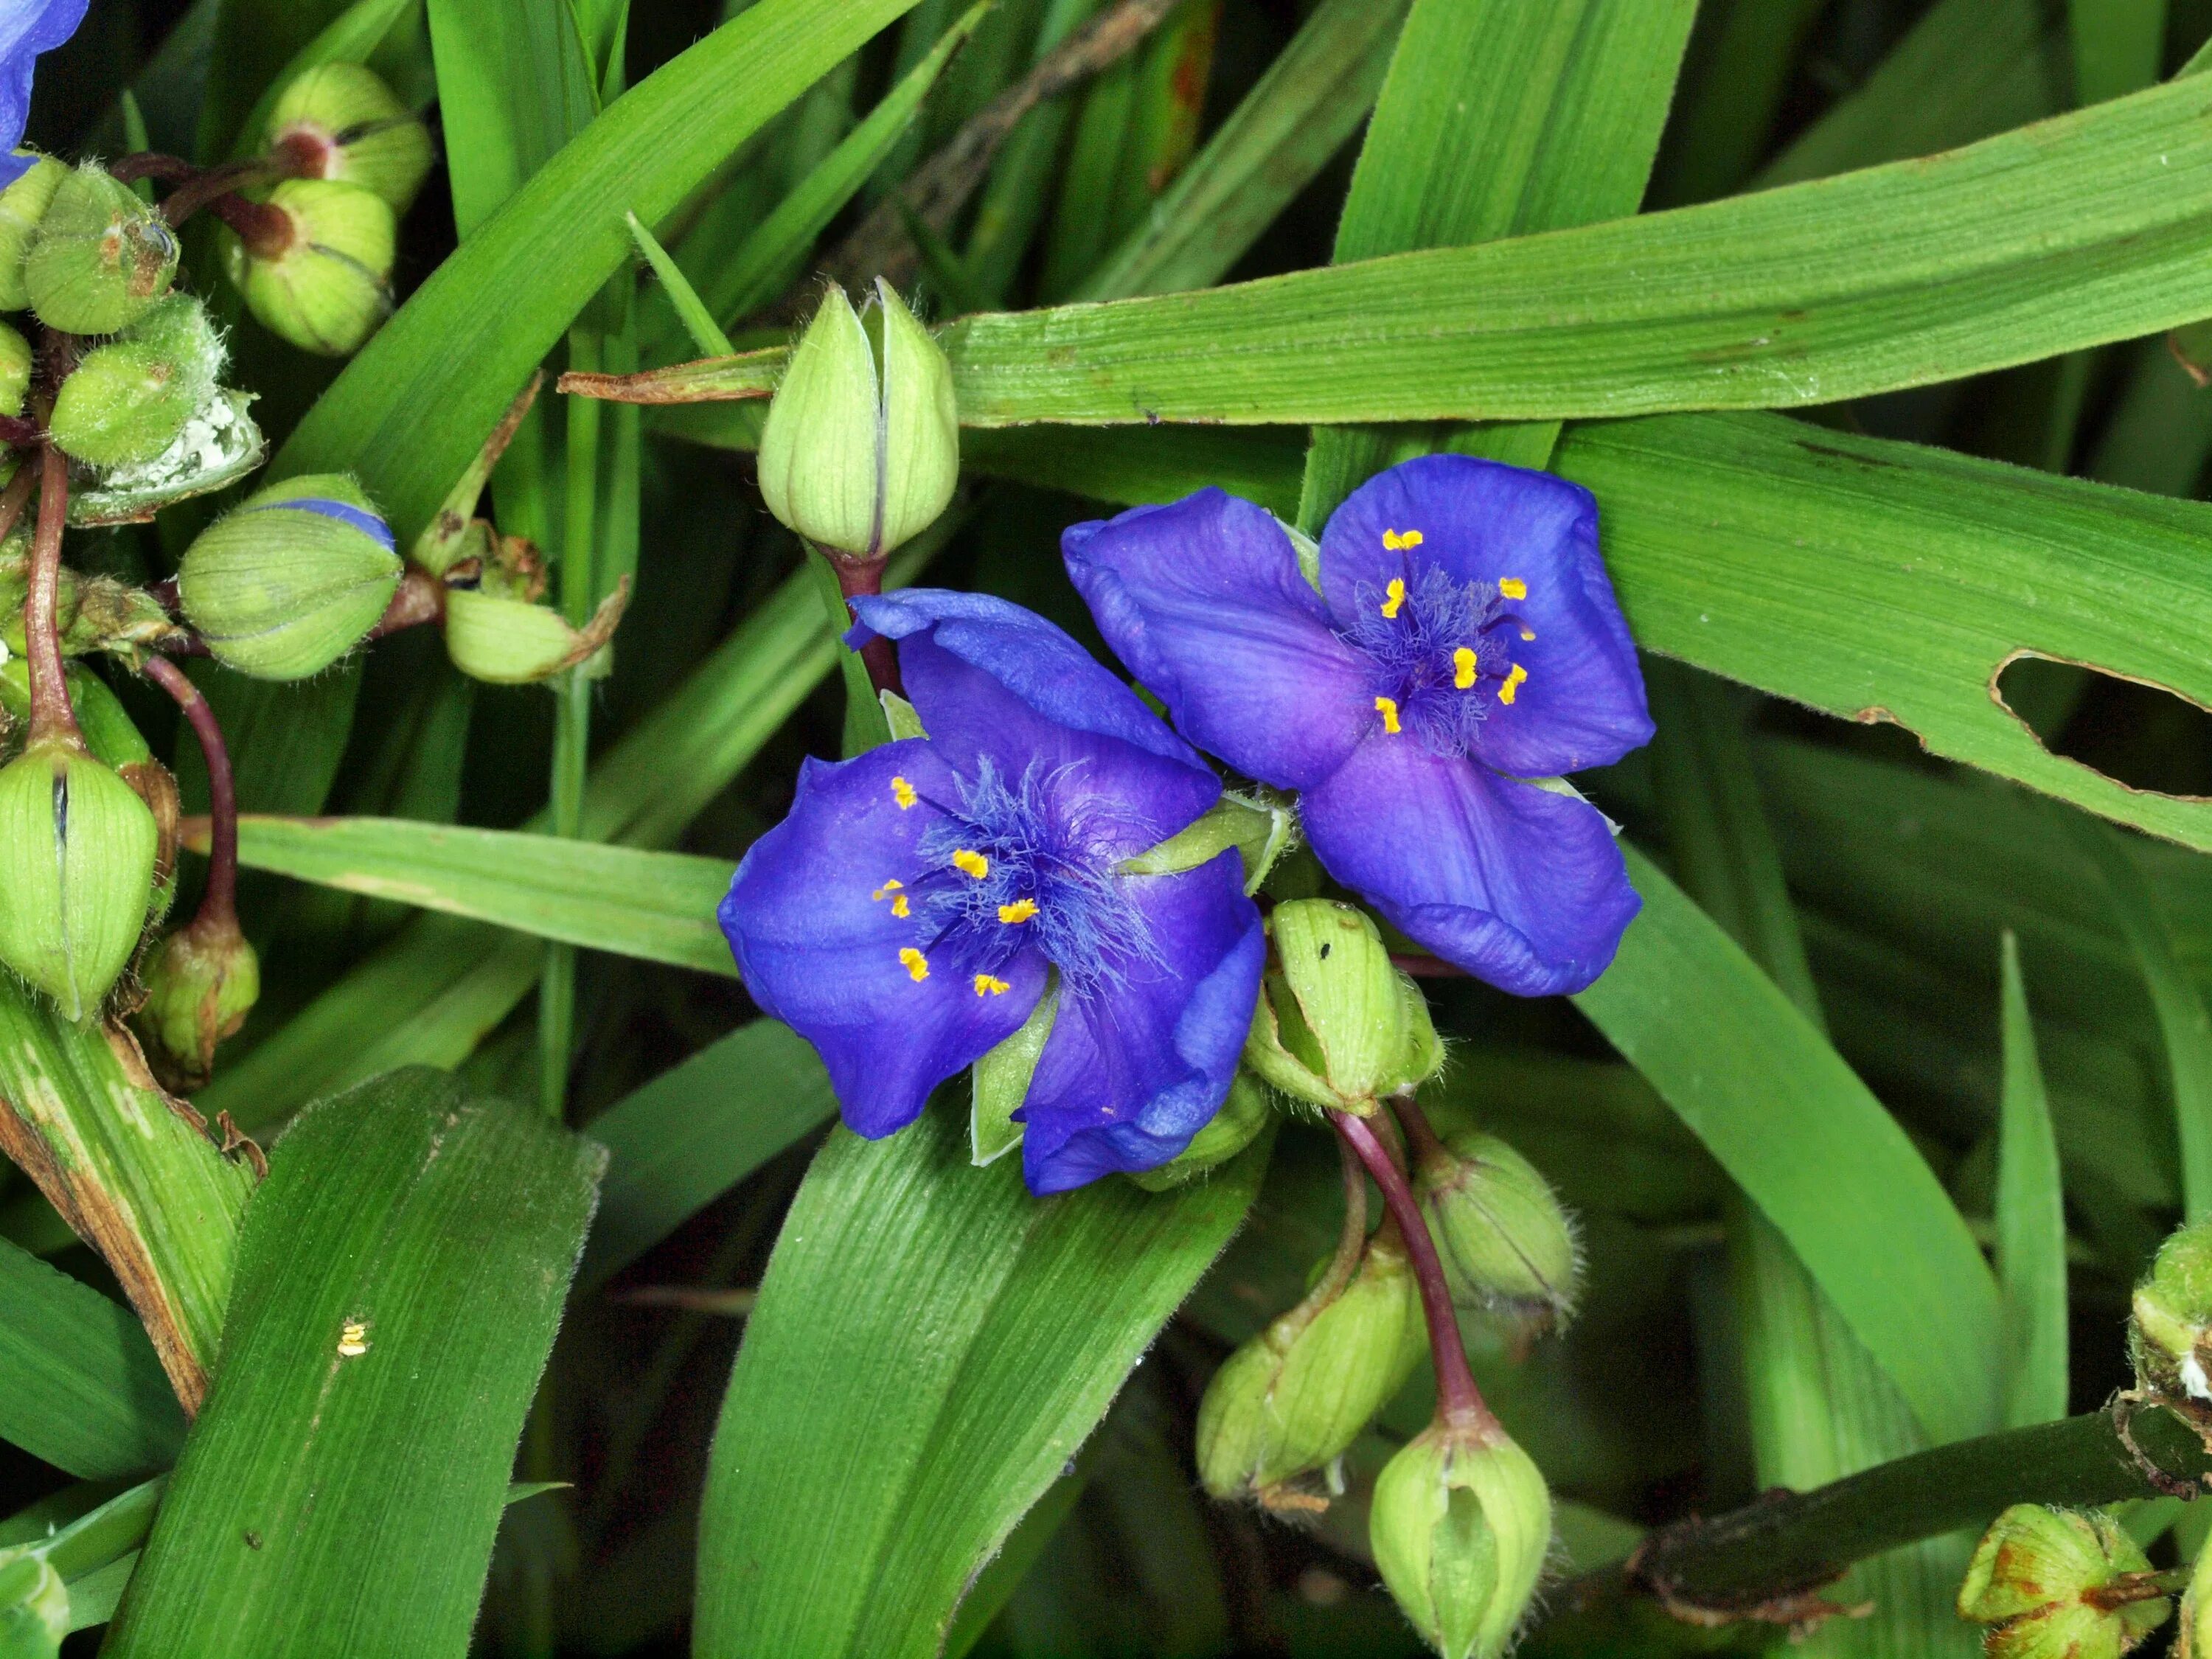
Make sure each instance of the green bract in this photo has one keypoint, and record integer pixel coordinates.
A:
(281, 592)
(1461, 1526)
(76, 874)
(340, 121)
(861, 447)
(319, 277)
(100, 257)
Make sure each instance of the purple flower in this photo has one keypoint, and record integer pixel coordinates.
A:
(907, 915)
(1459, 637)
(27, 27)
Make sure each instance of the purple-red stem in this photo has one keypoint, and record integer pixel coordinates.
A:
(219, 902)
(16, 496)
(1459, 1402)
(863, 579)
(265, 229)
(52, 720)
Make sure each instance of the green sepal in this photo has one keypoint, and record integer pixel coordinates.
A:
(1241, 1118)
(1260, 827)
(1000, 1081)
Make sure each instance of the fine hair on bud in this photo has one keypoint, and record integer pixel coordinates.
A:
(77, 853)
(1461, 1529)
(127, 401)
(101, 256)
(2170, 1319)
(201, 982)
(1508, 1244)
(318, 275)
(341, 121)
(22, 205)
(293, 579)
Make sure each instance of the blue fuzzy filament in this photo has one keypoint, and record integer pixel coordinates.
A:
(1414, 653)
(1041, 844)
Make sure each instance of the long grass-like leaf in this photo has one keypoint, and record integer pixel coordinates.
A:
(2031, 1215)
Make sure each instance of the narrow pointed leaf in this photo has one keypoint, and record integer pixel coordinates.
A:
(79, 1385)
(2030, 1216)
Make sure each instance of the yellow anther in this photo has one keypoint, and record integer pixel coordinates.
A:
(1513, 587)
(901, 908)
(1463, 665)
(973, 864)
(1394, 597)
(1019, 910)
(1398, 540)
(903, 792)
(887, 889)
(1527, 632)
(915, 963)
(986, 985)
(1514, 681)
(1388, 709)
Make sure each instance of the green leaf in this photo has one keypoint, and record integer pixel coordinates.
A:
(411, 410)
(130, 1174)
(2030, 1216)
(400, 1278)
(352, 37)
(1806, 1141)
(692, 1133)
(1302, 110)
(79, 1385)
(656, 906)
(1499, 119)
(697, 320)
(254, 39)
(2118, 45)
(930, 1347)
(514, 85)
(2183, 1020)
(2087, 228)
(1732, 98)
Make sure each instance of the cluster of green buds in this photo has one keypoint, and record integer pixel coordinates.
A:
(2053, 1583)
(312, 253)
(861, 447)
(1337, 1025)
(2170, 1321)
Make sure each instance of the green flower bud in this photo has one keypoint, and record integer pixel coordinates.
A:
(1461, 1525)
(14, 366)
(1295, 1396)
(2170, 1333)
(201, 982)
(125, 403)
(855, 461)
(317, 274)
(1505, 1239)
(1338, 1025)
(2060, 1584)
(291, 581)
(509, 641)
(34, 1606)
(100, 257)
(77, 848)
(1244, 1114)
(22, 205)
(340, 121)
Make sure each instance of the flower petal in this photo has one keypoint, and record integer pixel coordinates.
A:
(991, 680)
(1581, 703)
(820, 950)
(1519, 886)
(27, 27)
(1131, 1073)
(1204, 602)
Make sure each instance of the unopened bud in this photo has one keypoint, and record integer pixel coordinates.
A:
(100, 257)
(1295, 1396)
(1461, 1526)
(319, 275)
(34, 1606)
(291, 581)
(2055, 1583)
(1243, 1114)
(861, 447)
(2170, 1329)
(22, 205)
(1338, 1025)
(509, 641)
(123, 403)
(15, 370)
(341, 121)
(201, 982)
(76, 873)
(1506, 1240)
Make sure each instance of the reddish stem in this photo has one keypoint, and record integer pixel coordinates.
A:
(266, 230)
(152, 164)
(219, 903)
(1417, 1128)
(52, 720)
(863, 579)
(214, 187)
(16, 496)
(1459, 1402)
(1427, 967)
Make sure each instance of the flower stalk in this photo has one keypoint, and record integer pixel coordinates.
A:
(52, 720)
(219, 900)
(863, 579)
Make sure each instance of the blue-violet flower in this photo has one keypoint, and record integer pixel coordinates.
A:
(27, 27)
(1458, 639)
(907, 917)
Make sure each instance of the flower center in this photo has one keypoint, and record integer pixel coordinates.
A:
(1009, 869)
(1441, 651)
